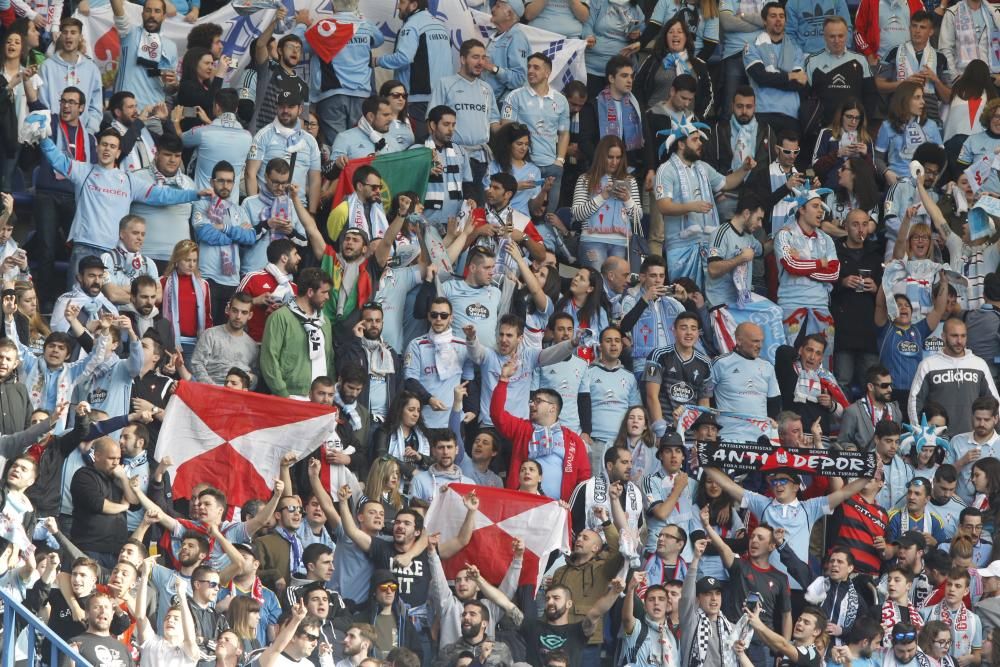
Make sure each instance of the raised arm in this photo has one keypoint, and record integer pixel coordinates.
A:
(260, 53)
(496, 596)
(602, 606)
(322, 495)
(854, 488)
(362, 539)
(725, 552)
(260, 518)
(457, 543)
(269, 658)
(776, 642)
(236, 564)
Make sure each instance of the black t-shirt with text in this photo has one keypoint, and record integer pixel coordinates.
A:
(414, 581)
(542, 638)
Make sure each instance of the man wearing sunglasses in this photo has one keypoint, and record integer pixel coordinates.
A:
(857, 426)
(298, 638)
(387, 614)
(281, 552)
(774, 181)
(915, 516)
(209, 622)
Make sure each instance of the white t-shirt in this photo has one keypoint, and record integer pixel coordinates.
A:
(157, 652)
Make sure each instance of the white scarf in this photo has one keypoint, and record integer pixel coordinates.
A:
(339, 473)
(596, 495)
(284, 289)
(295, 139)
(315, 339)
(699, 648)
(150, 49)
(545, 440)
(965, 36)
(216, 214)
(374, 223)
(144, 149)
(913, 136)
(374, 135)
(843, 611)
(171, 303)
(891, 615)
(691, 229)
(751, 7)
(959, 624)
(128, 263)
(351, 409)
(379, 357)
(445, 356)
(907, 63)
(744, 140)
(142, 323)
(397, 443)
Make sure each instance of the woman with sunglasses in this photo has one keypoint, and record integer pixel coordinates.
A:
(606, 204)
(401, 127)
(906, 128)
(935, 641)
(847, 138)
(673, 54)
(511, 146)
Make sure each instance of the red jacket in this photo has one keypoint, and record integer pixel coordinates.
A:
(576, 467)
(866, 28)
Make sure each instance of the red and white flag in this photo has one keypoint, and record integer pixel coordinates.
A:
(541, 523)
(234, 440)
(328, 36)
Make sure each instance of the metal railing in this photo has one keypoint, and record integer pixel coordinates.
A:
(13, 609)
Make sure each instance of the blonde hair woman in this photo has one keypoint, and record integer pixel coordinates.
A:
(187, 303)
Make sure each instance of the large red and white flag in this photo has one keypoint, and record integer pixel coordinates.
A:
(541, 523)
(234, 440)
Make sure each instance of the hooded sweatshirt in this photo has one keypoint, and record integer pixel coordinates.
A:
(83, 74)
(406, 634)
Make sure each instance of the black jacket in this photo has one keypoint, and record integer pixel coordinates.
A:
(643, 85)
(854, 312)
(718, 151)
(353, 353)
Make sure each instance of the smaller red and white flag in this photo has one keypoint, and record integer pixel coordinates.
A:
(540, 522)
(235, 440)
(328, 37)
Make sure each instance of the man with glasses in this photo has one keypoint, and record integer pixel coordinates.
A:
(221, 228)
(369, 137)
(281, 552)
(297, 640)
(224, 139)
(284, 138)
(208, 621)
(434, 362)
(70, 68)
(773, 182)
(55, 203)
(276, 212)
(857, 426)
(970, 523)
(853, 299)
(915, 516)
(918, 61)
(363, 209)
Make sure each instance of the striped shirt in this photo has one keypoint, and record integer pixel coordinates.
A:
(858, 523)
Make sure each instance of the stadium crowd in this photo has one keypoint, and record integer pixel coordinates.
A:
(756, 226)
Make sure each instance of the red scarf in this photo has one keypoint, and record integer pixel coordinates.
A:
(256, 590)
(79, 143)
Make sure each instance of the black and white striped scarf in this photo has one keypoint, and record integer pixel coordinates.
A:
(703, 636)
(434, 198)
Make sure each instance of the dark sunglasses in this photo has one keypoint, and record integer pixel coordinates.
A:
(311, 637)
(884, 385)
(399, 96)
(437, 315)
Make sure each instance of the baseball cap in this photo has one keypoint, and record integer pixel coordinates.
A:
(911, 538)
(707, 585)
(357, 230)
(516, 5)
(290, 96)
(991, 570)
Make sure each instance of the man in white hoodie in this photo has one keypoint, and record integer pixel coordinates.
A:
(954, 378)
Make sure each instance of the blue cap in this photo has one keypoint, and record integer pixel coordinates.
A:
(516, 5)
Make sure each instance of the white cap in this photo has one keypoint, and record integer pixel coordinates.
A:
(991, 570)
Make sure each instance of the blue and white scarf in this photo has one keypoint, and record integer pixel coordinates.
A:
(545, 440)
(629, 127)
(689, 228)
(744, 140)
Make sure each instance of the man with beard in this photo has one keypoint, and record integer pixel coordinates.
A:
(382, 365)
(272, 286)
(370, 136)
(981, 442)
(221, 226)
(451, 178)
(559, 626)
(857, 426)
(685, 195)
(359, 264)
(944, 500)
(54, 199)
(807, 269)
(450, 607)
(13, 394)
(138, 148)
(955, 379)
(860, 644)
(86, 294)
(298, 339)
(281, 552)
(443, 471)
(733, 141)
(226, 346)
(358, 643)
(648, 640)
(421, 57)
(475, 640)
(284, 138)
(475, 104)
(97, 644)
(362, 209)
(612, 484)
(148, 61)
(142, 311)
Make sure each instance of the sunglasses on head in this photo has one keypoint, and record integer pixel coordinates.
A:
(904, 637)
